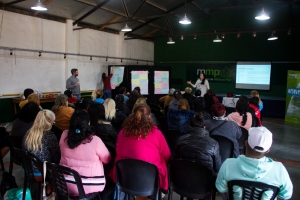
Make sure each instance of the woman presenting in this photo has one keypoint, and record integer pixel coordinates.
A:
(201, 84)
(106, 83)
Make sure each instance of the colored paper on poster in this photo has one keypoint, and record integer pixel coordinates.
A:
(140, 79)
(117, 78)
(161, 82)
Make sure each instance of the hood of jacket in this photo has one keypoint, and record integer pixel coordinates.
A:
(254, 168)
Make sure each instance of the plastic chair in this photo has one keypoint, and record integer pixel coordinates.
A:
(251, 189)
(57, 173)
(137, 178)
(243, 139)
(226, 146)
(28, 161)
(171, 138)
(190, 179)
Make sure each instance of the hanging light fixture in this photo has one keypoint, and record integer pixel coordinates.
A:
(254, 34)
(195, 37)
(185, 20)
(182, 37)
(217, 39)
(223, 36)
(39, 6)
(170, 41)
(262, 16)
(238, 35)
(126, 28)
(273, 37)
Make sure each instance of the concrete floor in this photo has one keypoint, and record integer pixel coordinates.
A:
(286, 141)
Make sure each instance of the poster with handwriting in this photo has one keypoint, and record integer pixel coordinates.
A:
(161, 82)
(117, 78)
(140, 79)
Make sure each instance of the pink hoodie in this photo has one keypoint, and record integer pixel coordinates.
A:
(237, 118)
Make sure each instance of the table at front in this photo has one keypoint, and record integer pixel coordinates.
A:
(229, 102)
(16, 102)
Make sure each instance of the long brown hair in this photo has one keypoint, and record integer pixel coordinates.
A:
(139, 123)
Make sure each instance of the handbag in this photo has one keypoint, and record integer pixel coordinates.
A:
(8, 182)
(52, 196)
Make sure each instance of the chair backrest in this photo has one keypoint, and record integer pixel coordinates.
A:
(137, 178)
(172, 137)
(57, 174)
(226, 146)
(243, 138)
(29, 162)
(191, 179)
(251, 189)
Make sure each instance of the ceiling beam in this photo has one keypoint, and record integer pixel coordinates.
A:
(11, 3)
(117, 18)
(138, 8)
(125, 8)
(91, 11)
(151, 32)
(197, 6)
(152, 20)
(45, 4)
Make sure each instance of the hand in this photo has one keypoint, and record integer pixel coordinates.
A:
(189, 82)
(76, 84)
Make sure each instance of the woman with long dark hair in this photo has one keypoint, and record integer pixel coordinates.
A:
(241, 116)
(120, 106)
(201, 84)
(134, 95)
(84, 152)
(106, 83)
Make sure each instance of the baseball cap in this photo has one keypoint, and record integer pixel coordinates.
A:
(260, 139)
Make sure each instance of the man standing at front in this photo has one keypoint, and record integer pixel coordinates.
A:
(255, 166)
(74, 84)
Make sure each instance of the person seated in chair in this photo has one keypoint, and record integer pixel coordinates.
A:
(167, 99)
(255, 166)
(220, 125)
(26, 93)
(196, 145)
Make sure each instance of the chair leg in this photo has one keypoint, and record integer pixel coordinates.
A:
(170, 193)
(24, 187)
(39, 191)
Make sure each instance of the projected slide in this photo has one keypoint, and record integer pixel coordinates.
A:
(140, 79)
(117, 78)
(161, 82)
(253, 75)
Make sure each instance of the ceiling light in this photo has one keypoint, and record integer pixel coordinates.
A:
(39, 6)
(170, 41)
(91, 58)
(262, 16)
(223, 35)
(181, 37)
(185, 20)
(238, 35)
(217, 39)
(254, 34)
(11, 52)
(126, 28)
(195, 37)
(273, 37)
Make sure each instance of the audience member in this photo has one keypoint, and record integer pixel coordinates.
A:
(83, 152)
(35, 99)
(188, 96)
(198, 94)
(26, 93)
(106, 83)
(62, 112)
(255, 166)
(142, 100)
(137, 88)
(71, 98)
(179, 118)
(220, 126)
(120, 105)
(112, 115)
(254, 93)
(140, 139)
(241, 116)
(174, 103)
(122, 91)
(198, 107)
(41, 142)
(167, 99)
(198, 146)
(83, 104)
(209, 102)
(250, 110)
(134, 95)
(253, 103)
(97, 96)
(211, 92)
(25, 120)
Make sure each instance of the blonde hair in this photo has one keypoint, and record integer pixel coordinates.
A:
(34, 98)
(188, 90)
(110, 108)
(61, 100)
(43, 122)
(254, 93)
(96, 94)
(139, 101)
(183, 104)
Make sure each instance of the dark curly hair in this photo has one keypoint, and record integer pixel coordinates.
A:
(139, 123)
(79, 131)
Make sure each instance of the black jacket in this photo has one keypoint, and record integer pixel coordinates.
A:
(198, 146)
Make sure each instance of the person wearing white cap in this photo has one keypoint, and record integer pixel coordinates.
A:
(255, 166)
